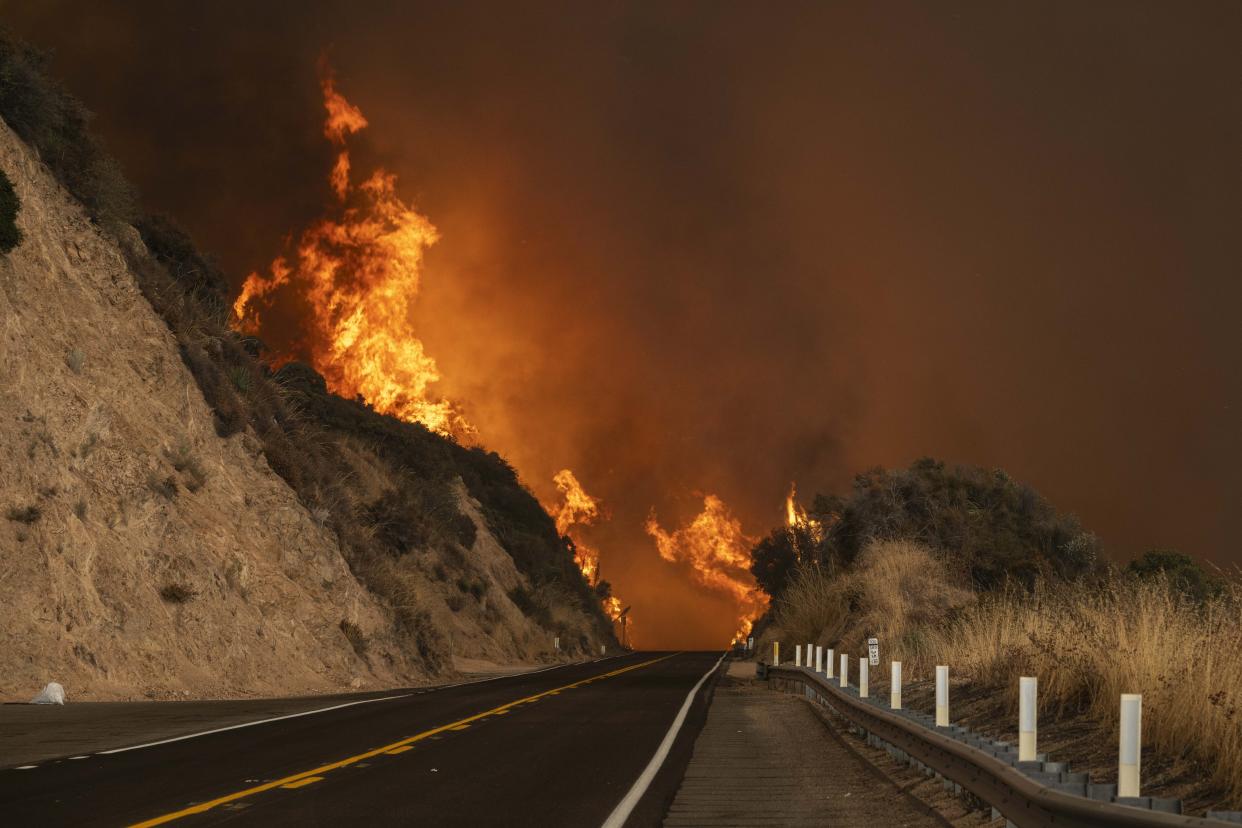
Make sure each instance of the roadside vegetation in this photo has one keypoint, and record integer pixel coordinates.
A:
(1090, 631)
(10, 233)
(387, 489)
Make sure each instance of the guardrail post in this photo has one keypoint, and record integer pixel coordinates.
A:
(942, 696)
(1026, 718)
(863, 677)
(1131, 747)
(797, 655)
(828, 664)
(819, 659)
(776, 653)
(845, 670)
(894, 689)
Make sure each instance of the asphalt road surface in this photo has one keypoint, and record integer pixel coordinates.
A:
(556, 747)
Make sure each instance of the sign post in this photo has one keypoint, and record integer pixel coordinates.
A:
(873, 651)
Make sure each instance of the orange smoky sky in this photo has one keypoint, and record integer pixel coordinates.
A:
(705, 249)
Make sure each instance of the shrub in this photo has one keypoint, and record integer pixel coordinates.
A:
(354, 635)
(1183, 573)
(984, 525)
(177, 593)
(165, 487)
(185, 462)
(25, 514)
(46, 116)
(75, 359)
(10, 233)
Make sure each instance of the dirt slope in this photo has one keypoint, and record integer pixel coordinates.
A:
(141, 555)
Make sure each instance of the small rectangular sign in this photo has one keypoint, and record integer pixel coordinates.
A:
(873, 651)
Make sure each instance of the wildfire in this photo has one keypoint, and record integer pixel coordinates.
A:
(797, 518)
(717, 552)
(613, 608)
(577, 508)
(358, 272)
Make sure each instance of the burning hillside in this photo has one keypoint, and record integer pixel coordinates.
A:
(355, 276)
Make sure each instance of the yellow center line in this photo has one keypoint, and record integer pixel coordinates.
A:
(289, 781)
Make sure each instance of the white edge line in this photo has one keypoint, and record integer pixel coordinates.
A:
(626, 806)
(326, 709)
(248, 724)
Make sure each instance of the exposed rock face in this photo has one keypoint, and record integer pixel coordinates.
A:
(142, 555)
(139, 552)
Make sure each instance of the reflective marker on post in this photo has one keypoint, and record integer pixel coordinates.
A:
(845, 670)
(1026, 718)
(894, 689)
(942, 696)
(1131, 744)
(828, 665)
(798, 655)
(819, 658)
(863, 677)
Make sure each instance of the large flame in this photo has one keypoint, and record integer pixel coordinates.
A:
(358, 272)
(798, 521)
(718, 554)
(577, 508)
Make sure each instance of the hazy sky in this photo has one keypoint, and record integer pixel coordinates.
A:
(714, 247)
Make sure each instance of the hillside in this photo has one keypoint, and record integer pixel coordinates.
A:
(178, 521)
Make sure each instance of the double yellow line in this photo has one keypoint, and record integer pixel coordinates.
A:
(304, 778)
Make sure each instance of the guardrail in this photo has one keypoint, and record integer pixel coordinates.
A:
(985, 768)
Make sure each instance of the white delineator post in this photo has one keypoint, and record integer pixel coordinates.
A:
(863, 677)
(819, 659)
(828, 664)
(845, 670)
(798, 655)
(1131, 744)
(894, 688)
(1027, 688)
(776, 653)
(942, 696)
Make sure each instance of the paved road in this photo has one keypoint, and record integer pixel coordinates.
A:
(765, 758)
(558, 747)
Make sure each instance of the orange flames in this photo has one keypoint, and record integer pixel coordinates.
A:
(578, 508)
(797, 518)
(359, 273)
(717, 552)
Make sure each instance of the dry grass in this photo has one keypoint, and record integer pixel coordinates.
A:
(896, 591)
(1087, 644)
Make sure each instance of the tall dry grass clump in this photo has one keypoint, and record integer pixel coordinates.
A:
(1088, 644)
(897, 590)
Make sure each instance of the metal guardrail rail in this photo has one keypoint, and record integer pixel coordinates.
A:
(1020, 799)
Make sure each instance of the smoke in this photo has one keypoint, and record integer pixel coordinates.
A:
(707, 247)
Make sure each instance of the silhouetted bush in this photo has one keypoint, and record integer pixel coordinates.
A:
(40, 110)
(10, 235)
(1184, 574)
(991, 529)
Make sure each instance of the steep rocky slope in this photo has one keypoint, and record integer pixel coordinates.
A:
(143, 554)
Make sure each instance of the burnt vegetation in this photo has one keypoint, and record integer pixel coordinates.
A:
(308, 436)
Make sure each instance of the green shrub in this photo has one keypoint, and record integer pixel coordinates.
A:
(10, 234)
